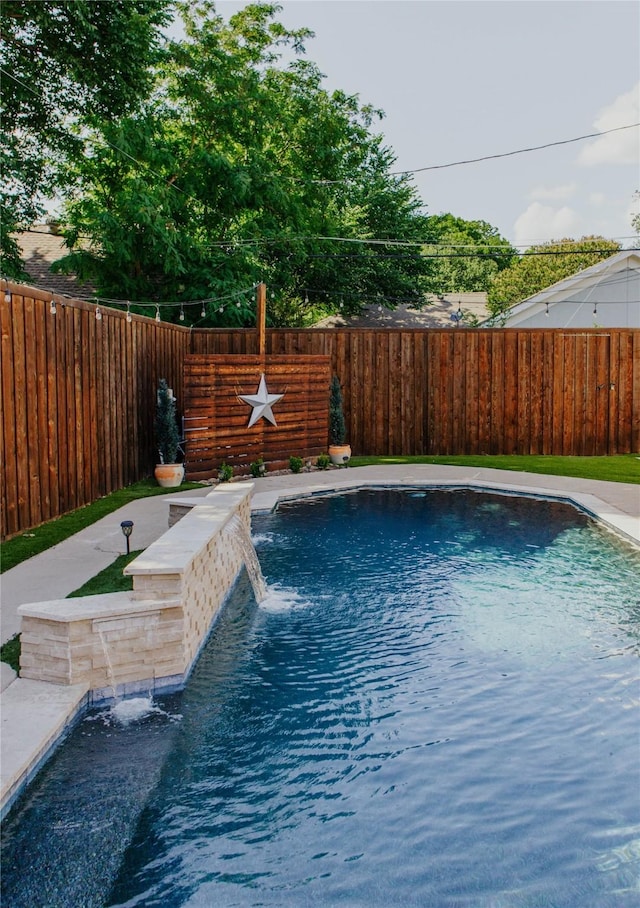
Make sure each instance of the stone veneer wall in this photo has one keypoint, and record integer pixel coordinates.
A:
(122, 643)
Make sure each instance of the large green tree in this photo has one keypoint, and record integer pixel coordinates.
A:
(241, 168)
(65, 64)
(467, 254)
(543, 265)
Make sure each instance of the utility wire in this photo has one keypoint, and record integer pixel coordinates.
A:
(507, 154)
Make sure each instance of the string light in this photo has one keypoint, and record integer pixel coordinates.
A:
(203, 314)
(52, 306)
(595, 308)
(128, 313)
(547, 309)
(7, 295)
(181, 313)
(157, 313)
(98, 314)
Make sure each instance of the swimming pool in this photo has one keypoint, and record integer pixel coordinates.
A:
(435, 705)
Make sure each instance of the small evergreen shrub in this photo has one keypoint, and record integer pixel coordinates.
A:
(295, 464)
(225, 473)
(337, 427)
(323, 461)
(258, 468)
(165, 424)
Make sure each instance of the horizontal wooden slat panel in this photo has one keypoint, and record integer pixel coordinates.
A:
(216, 418)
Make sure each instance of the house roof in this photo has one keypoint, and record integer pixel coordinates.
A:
(40, 248)
(439, 312)
(610, 287)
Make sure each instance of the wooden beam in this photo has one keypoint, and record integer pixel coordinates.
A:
(261, 317)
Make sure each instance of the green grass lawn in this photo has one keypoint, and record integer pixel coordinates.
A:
(109, 580)
(618, 468)
(17, 549)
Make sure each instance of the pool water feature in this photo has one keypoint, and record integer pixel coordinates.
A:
(435, 704)
(239, 534)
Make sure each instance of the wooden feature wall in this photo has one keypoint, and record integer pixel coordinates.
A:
(78, 394)
(216, 419)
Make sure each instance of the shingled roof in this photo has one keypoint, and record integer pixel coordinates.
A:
(439, 312)
(40, 248)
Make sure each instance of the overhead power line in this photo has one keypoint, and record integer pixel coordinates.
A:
(492, 157)
(507, 154)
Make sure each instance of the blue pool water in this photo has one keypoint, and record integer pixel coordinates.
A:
(436, 705)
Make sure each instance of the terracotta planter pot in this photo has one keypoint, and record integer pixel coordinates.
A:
(169, 475)
(340, 455)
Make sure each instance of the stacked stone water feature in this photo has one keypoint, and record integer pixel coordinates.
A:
(124, 643)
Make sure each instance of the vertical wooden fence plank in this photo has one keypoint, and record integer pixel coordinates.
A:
(634, 422)
(498, 382)
(43, 315)
(458, 393)
(447, 379)
(536, 391)
(20, 391)
(603, 393)
(523, 410)
(511, 392)
(471, 385)
(433, 391)
(78, 426)
(547, 401)
(10, 517)
(483, 391)
(33, 491)
(568, 393)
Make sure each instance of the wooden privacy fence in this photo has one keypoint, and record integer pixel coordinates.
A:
(473, 391)
(77, 405)
(78, 393)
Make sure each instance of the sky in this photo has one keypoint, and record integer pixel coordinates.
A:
(462, 79)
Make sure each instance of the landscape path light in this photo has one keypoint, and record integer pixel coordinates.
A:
(127, 528)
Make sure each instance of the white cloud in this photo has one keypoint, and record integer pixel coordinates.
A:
(617, 147)
(553, 193)
(598, 199)
(541, 223)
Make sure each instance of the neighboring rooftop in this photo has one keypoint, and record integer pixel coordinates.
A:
(439, 312)
(41, 246)
(605, 295)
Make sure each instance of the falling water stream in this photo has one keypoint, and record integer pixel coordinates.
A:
(238, 533)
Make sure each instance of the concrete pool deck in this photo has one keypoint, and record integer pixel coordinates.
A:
(34, 714)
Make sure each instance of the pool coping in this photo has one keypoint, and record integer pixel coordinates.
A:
(37, 715)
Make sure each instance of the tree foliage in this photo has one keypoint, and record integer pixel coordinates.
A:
(65, 64)
(469, 254)
(242, 168)
(543, 265)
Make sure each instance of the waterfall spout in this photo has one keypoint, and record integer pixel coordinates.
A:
(239, 535)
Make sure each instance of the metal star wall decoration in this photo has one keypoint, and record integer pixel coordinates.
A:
(261, 402)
